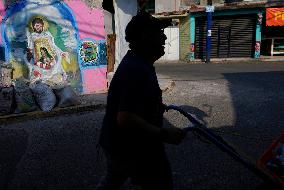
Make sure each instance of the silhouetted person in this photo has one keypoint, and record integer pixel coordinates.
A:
(132, 134)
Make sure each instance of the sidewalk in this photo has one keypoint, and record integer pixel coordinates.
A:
(90, 102)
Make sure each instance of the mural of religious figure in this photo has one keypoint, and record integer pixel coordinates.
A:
(43, 39)
(43, 55)
(46, 60)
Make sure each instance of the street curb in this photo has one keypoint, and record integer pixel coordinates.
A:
(165, 82)
(14, 118)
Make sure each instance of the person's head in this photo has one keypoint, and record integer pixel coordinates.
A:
(145, 35)
(38, 25)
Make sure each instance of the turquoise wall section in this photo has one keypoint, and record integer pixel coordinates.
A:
(192, 37)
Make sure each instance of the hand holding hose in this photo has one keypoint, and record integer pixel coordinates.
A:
(172, 135)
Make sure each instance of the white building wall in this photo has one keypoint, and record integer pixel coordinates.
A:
(124, 11)
(109, 23)
(172, 44)
(166, 5)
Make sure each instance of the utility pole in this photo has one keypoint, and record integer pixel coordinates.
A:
(209, 11)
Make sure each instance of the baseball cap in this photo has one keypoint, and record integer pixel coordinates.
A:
(144, 24)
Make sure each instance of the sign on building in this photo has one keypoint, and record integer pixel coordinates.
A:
(275, 16)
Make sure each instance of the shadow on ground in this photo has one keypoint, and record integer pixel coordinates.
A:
(258, 100)
(13, 146)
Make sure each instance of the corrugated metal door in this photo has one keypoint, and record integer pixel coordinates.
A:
(231, 36)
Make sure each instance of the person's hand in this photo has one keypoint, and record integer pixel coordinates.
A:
(164, 107)
(63, 54)
(172, 135)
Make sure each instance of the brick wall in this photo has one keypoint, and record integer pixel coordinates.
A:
(184, 39)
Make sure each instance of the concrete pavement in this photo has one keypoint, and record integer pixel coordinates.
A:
(246, 108)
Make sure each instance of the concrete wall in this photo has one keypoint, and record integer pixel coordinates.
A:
(109, 22)
(73, 36)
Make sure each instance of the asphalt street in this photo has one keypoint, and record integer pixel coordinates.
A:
(242, 102)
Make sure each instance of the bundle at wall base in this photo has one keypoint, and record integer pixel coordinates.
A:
(44, 96)
(24, 98)
(7, 104)
(6, 75)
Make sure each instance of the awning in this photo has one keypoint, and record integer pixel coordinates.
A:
(275, 16)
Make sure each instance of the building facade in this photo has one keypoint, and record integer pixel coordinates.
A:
(239, 30)
(235, 33)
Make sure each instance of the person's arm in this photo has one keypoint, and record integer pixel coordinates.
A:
(170, 135)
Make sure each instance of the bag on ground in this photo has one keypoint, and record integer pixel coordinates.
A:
(66, 96)
(5, 76)
(6, 100)
(44, 96)
(23, 96)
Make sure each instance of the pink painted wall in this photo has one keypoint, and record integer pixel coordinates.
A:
(91, 25)
(90, 21)
(94, 77)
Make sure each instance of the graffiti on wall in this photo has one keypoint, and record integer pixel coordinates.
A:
(259, 18)
(257, 49)
(192, 50)
(42, 38)
(88, 53)
(92, 56)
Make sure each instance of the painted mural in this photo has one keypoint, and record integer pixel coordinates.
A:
(46, 40)
(92, 53)
(92, 62)
(43, 57)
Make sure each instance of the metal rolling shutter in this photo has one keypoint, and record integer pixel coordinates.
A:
(232, 36)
